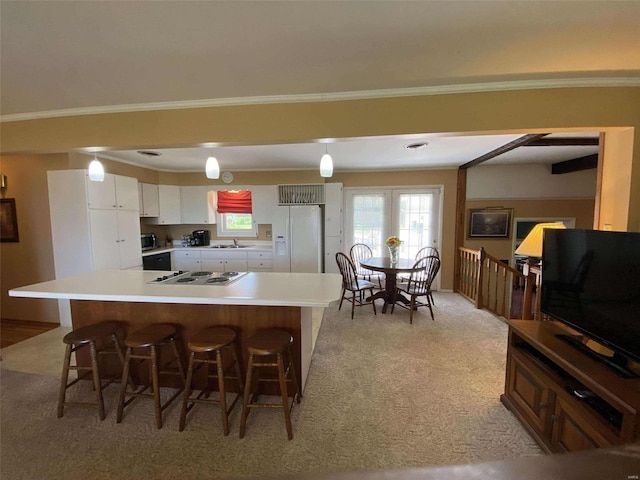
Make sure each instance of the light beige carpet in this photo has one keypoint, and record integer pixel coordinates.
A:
(381, 394)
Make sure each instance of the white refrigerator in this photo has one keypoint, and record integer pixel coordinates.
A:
(297, 234)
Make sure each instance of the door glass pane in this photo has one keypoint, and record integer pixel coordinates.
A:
(415, 220)
(368, 221)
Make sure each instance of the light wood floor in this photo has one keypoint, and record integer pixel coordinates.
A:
(14, 331)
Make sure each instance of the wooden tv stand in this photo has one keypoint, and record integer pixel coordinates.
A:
(545, 381)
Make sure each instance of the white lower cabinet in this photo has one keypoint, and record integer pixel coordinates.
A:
(188, 261)
(234, 261)
(260, 261)
(229, 260)
(115, 239)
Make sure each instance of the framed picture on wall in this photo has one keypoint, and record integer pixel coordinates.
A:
(8, 220)
(490, 223)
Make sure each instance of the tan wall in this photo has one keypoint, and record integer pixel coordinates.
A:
(31, 259)
(526, 111)
(581, 209)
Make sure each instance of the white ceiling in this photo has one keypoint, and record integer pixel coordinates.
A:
(63, 57)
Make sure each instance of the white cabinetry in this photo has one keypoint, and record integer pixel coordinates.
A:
(115, 239)
(228, 261)
(169, 206)
(264, 200)
(149, 202)
(86, 238)
(187, 260)
(332, 226)
(115, 192)
(260, 261)
(195, 205)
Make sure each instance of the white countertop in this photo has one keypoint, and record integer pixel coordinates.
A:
(248, 248)
(256, 288)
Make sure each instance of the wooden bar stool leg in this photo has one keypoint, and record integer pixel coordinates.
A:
(247, 395)
(97, 385)
(284, 395)
(119, 349)
(187, 392)
(223, 393)
(156, 386)
(123, 385)
(292, 368)
(237, 368)
(64, 379)
(176, 352)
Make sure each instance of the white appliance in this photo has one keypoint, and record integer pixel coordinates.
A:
(297, 234)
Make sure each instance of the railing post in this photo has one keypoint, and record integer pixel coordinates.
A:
(480, 277)
(527, 301)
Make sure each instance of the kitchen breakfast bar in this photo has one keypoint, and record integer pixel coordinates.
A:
(294, 302)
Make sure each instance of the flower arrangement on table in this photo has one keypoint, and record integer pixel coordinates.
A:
(393, 241)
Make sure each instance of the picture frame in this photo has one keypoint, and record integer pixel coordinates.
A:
(8, 220)
(490, 223)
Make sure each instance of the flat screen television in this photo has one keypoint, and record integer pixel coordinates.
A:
(591, 282)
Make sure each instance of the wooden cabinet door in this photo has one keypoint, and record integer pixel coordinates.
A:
(572, 432)
(530, 394)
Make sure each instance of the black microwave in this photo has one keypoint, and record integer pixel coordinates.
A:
(149, 241)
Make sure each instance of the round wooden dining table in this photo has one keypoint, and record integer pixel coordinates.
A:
(390, 270)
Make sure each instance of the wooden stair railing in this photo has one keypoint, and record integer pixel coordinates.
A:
(494, 285)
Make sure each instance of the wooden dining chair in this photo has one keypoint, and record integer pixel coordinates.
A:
(419, 285)
(359, 252)
(423, 252)
(351, 282)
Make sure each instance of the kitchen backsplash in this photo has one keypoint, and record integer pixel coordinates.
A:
(175, 232)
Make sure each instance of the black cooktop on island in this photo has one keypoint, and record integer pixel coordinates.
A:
(199, 278)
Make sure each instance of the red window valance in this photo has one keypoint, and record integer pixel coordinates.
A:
(234, 201)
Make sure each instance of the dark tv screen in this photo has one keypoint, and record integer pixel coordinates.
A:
(591, 282)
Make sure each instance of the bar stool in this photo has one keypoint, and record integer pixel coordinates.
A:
(150, 338)
(102, 339)
(210, 341)
(270, 343)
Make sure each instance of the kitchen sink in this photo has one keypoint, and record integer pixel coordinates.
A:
(227, 246)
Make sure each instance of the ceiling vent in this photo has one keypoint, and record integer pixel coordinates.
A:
(309, 194)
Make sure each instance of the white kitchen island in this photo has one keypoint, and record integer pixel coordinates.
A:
(293, 302)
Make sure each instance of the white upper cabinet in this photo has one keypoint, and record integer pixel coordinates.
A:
(195, 205)
(169, 206)
(115, 192)
(264, 200)
(149, 201)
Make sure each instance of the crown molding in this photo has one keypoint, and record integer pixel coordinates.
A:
(332, 97)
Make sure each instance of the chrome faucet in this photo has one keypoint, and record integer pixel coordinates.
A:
(235, 242)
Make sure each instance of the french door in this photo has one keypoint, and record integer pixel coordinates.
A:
(412, 214)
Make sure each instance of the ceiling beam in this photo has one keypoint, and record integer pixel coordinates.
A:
(575, 165)
(507, 147)
(564, 142)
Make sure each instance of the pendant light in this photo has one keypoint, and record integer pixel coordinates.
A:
(212, 168)
(96, 170)
(326, 164)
